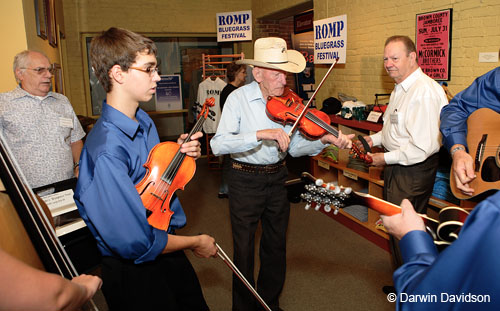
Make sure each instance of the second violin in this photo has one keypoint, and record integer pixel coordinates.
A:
(168, 171)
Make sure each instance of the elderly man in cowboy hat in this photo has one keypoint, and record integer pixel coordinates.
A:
(258, 147)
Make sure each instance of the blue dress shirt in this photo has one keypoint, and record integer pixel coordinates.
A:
(467, 270)
(111, 164)
(244, 114)
(484, 92)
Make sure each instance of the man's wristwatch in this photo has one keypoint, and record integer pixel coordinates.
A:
(456, 149)
(76, 165)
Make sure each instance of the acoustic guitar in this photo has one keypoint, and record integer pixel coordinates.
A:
(483, 140)
(329, 199)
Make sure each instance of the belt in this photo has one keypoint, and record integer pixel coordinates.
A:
(256, 168)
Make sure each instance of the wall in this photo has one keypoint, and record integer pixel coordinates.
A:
(12, 31)
(174, 17)
(18, 29)
(476, 28)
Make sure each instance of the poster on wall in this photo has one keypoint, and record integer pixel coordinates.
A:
(433, 40)
(330, 40)
(304, 43)
(234, 26)
(168, 93)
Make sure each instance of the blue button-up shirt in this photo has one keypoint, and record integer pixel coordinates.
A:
(463, 275)
(111, 164)
(244, 114)
(484, 92)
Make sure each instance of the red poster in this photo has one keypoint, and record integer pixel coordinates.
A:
(433, 41)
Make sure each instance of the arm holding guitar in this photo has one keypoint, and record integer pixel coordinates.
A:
(463, 168)
(400, 224)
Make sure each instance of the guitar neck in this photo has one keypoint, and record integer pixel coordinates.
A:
(381, 206)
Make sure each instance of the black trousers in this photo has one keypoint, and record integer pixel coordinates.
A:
(415, 183)
(167, 283)
(255, 197)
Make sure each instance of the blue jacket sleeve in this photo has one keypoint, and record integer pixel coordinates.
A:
(484, 92)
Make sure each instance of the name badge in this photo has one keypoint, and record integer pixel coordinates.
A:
(394, 118)
(65, 122)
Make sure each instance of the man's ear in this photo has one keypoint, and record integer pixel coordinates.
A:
(257, 74)
(19, 74)
(117, 74)
(413, 56)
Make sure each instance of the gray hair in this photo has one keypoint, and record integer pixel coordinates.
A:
(21, 61)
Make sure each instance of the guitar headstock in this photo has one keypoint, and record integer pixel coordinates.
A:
(328, 196)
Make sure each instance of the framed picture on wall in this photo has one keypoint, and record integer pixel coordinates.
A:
(433, 40)
(58, 79)
(41, 18)
(51, 22)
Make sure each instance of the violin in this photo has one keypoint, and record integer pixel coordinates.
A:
(168, 170)
(315, 123)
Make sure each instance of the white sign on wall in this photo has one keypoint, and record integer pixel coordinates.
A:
(330, 40)
(234, 26)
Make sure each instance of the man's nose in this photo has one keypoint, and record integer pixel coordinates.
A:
(283, 78)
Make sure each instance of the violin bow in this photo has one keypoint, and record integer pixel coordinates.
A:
(231, 265)
(303, 113)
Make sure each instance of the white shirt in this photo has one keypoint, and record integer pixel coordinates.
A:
(411, 121)
(211, 88)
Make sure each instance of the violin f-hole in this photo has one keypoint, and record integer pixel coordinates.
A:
(147, 185)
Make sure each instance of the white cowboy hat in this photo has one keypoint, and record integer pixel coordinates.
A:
(272, 53)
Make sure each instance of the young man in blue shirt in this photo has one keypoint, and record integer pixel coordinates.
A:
(143, 268)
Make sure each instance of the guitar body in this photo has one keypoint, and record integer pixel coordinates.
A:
(483, 140)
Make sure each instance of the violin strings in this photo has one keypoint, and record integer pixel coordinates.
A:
(174, 165)
(322, 124)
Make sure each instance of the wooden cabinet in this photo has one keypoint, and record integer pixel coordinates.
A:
(359, 181)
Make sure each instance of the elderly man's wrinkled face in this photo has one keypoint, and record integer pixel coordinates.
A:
(36, 77)
(272, 82)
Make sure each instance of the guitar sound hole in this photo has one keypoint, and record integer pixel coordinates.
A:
(490, 172)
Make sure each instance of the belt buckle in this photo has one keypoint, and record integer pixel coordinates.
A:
(237, 166)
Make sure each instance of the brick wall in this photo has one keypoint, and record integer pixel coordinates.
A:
(282, 28)
(475, 28)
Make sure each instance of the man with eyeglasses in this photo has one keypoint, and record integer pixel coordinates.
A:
(143, 268)
(40, 126)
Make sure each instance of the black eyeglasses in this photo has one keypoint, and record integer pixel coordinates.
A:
(150, 70)
(43, 70)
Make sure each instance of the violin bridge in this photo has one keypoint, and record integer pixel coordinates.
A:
(155, 195)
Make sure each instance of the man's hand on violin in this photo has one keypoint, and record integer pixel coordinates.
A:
(204, 246)
(400, 224)
(463, 171)
(343, 141)
(277, 135)
(191, 148)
